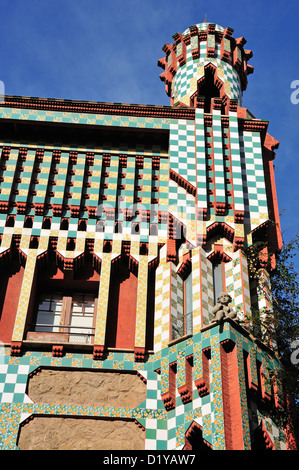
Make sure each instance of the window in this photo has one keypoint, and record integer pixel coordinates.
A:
(49, 313)
(188, 305)
(181, 319)
(81, 318)
(217, 280)
(70, 314)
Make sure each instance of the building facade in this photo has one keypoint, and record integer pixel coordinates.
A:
(125, 295)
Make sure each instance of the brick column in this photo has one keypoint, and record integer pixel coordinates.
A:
(21, 316)
(140, 328)
(101, 319)
(231, 397)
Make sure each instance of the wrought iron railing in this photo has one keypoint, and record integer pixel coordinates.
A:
(74, 337)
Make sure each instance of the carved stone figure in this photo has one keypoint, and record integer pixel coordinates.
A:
(222, 309)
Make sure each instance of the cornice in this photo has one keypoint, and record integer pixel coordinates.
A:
(124, 109)
(94, 107)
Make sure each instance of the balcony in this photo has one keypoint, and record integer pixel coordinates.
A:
(64, 317)
(64, 334)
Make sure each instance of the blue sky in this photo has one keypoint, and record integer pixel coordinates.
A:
(105, 50)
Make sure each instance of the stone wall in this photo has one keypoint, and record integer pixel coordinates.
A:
(64, 433)
(92, 388)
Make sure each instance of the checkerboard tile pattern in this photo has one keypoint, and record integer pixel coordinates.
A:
(196, 290)
(80, 118)
(21, 315)
(253, 178)
(13, 380)
(182, 150)
(182, 161)
(184, 84)
(161, 327)
(163, 430)
(168, 304)
(202, 200)
(103, 304)
(177, 305)
(207, 288)
(236, 162)
(219, 176)
(141, 302)
(237, 284)
(118, 176)
(187, 141)
(68, 177)
(8, 176)
(202, 289)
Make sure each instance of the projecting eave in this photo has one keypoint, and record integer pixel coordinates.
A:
(93, 113)
(96, 107)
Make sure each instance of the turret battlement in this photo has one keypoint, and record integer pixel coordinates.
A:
(205, 61)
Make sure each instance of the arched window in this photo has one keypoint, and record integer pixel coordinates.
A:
(208, 89)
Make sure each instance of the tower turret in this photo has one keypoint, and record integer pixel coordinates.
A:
(205, 61)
